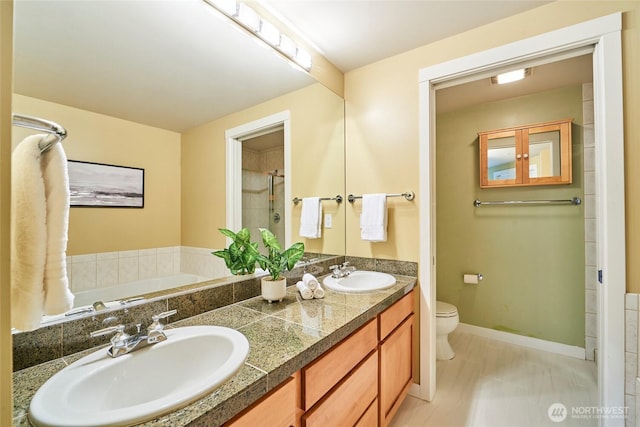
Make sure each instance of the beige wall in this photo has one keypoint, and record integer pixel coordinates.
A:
(103, 139)
(317, 152)
(532, 257)
(382, 120)
(6, 89)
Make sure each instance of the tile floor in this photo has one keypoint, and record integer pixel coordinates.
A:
(492, 384)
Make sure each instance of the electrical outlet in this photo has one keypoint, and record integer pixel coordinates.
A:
(328, 220)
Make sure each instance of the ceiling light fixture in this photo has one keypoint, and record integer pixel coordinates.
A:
(511, 76)
(249, 17)
(250, 20)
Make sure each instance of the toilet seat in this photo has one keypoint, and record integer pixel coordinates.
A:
(444, 310)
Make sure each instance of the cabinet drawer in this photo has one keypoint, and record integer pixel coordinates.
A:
(370, 418)
(394, 315)
(346, 404)
(277, 409)
(323, 374)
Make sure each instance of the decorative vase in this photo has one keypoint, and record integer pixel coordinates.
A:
(273, 290)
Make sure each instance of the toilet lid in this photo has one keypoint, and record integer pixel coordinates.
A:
(445, 309)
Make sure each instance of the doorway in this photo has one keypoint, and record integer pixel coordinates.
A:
(263, 183)
(276, 160)
(604, 35)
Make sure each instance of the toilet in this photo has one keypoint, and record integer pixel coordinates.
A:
(446, 322)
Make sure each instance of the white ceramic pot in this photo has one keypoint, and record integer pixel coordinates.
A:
(273, 290)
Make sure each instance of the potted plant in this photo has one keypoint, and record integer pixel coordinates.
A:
(276, 262)
(241, 255)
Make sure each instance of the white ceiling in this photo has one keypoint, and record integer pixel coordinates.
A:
(173, 65)
(354, 33)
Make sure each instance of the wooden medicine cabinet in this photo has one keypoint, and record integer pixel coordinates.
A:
(536, 154)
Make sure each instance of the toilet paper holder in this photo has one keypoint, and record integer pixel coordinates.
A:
(473, 278)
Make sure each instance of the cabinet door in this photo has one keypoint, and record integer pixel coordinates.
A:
(396, 370)
(500, 158)
(546, 154)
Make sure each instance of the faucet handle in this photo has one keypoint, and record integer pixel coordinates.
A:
(155, 330)
(163, 315)
(118, 330)
(346, 264)
(156, 325)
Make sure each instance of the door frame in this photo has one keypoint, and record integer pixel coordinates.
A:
(604, 34)
(233, 138)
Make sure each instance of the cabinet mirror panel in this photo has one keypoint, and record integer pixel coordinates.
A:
(501, 153)
(544, 154)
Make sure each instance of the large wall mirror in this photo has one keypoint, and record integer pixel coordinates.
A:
(155, 85)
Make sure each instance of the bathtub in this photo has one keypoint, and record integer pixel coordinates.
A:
(113, 295)
(128, 290)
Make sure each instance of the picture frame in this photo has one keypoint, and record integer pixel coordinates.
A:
(105, 186)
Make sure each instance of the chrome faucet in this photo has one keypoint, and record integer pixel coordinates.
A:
(123, 343)
(339, 271)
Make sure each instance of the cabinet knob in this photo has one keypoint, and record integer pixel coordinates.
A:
(518, 156)
(526, 156)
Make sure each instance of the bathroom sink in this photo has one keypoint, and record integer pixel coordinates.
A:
(99, 390)
(360, 281)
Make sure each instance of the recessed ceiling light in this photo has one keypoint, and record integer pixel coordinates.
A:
(511, 76)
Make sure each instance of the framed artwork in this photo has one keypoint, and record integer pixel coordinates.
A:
(100, 185)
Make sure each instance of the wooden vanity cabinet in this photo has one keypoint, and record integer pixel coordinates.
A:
(396, 356)
(360, 382)
(536, 154)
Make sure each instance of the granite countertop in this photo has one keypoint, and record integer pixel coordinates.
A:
(283, 338)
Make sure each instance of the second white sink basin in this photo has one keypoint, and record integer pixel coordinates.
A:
(360, 281)
(98, 390)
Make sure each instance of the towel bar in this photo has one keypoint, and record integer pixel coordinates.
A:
(409, 195)
(36, 123)
(338, 199)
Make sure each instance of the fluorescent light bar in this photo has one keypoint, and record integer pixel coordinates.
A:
(248, 17)
(269, 33)
(511, 76)
(303, 58)
(287, 46)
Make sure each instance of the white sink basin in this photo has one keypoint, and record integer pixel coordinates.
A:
(99, 390)
(360, 281)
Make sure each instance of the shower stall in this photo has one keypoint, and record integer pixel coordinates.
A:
(263, 202)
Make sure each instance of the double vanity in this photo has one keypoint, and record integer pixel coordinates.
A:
(298, 362)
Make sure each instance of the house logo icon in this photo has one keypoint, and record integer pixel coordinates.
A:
(557, 412)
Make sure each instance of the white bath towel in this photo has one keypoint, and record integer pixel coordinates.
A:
(373, 219)
(318, 292)
(311, 218)
(305, 292)
(33, 240)
(310, 281)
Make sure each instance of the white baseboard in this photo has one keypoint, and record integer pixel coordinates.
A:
(521, 340)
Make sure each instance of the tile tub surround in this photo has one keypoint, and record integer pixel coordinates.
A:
(54, 341)
(283, 338)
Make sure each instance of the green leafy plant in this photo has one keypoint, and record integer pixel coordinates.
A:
(278, 261)
(241, 255)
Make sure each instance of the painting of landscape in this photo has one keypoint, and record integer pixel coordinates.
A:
(100, 185)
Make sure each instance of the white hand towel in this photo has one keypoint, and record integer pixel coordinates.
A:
(311, 218)
(373, 219)
(310, 281)
(30, 235)
(57, 298)
(318, 292)
(305, 292)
